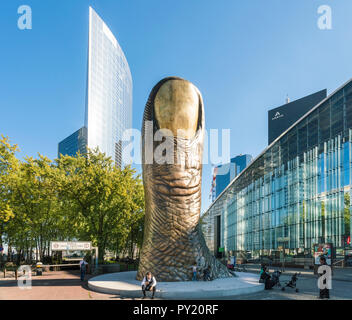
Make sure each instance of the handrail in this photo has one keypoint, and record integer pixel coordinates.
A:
(60, 265)
(342, 261)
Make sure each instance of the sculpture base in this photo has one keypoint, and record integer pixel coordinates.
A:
(126, 285)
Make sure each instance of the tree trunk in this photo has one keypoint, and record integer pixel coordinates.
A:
(41, 249)
(131, 246)
(36, 251)
(100, 255)
(101, 249)
(9, 253)
(31, 254)
(27, 254)
(19, 253)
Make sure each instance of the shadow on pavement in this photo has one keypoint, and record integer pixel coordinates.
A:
(45, 280)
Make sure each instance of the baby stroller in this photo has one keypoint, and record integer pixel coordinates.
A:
(275, 277)
(270, 281)
(292, 282)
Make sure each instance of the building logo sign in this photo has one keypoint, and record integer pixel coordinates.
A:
(278, 115)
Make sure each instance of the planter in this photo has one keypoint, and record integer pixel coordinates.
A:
(109, 268)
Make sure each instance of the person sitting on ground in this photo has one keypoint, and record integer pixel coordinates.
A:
(266, 279)
(148, 284)
(262, 267)
(262, 270)
(262, 273)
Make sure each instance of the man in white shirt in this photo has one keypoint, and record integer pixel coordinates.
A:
(149, 284)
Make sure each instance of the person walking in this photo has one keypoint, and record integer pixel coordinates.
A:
(194, 270)
(148, 284)
(83, 265)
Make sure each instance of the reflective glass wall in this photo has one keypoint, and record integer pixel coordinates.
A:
(109, 90)
(76, 142)
(298, 188)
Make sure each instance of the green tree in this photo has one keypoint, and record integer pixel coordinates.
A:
(106, 200)
(35, 203)
(84, 197)
(8, 164)
(134, 226)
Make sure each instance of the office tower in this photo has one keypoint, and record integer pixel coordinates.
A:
(109, 90)
(225, 173)
(281, 118)
(77, 141)
(108, 111)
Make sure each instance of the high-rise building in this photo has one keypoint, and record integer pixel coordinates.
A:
(77, 141)
(109, 96)
(296, 193)
(108, 110)
(225, 173)
(281, 118)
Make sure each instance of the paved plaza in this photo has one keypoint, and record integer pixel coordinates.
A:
(125, 284)
(307, 285)
(55, 285)
(66, 285)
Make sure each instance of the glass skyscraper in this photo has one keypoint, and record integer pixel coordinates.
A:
(298, 188)
(109, 91)
(77, 141)
(225, 173)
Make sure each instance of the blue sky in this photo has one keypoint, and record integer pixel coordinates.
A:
(244, 56)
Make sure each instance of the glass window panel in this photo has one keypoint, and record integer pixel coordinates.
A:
(324, 122)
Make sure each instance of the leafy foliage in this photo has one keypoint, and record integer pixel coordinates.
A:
(8, 163)
(85, 197)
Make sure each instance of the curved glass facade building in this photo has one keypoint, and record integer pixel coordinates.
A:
(298, 188)
(109, 90)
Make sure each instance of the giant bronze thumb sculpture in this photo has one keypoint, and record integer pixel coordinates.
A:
(172, 148)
